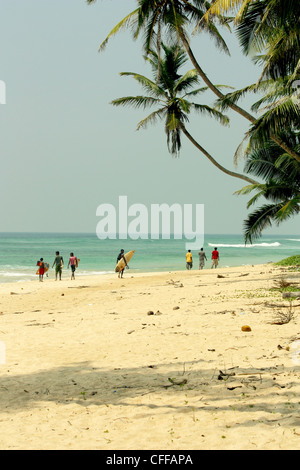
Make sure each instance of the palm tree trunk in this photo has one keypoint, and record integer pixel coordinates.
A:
(214, 162)
(285, 147)
(158, 44)
(233, 106)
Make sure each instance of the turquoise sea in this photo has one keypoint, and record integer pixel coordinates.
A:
(19, 253)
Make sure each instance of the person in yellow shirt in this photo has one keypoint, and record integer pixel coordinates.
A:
(189, 260)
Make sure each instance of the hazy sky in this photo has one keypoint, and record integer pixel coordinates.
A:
(65, 150)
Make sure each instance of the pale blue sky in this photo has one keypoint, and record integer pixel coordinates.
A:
(65, 150)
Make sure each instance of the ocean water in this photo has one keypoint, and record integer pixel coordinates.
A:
(19, 253)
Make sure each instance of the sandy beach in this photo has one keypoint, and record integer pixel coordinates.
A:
(150, 361)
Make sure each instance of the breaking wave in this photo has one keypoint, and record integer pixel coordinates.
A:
(225, 245)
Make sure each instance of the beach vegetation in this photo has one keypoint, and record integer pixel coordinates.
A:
(282, 318)
(281, 188)
(268, 34)
(293, 261)
(171, 93)
(174, 20)
(286, 286)
(257, 293)
(269, 31)
(285, 289)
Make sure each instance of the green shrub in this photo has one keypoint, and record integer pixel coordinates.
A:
(291, 261)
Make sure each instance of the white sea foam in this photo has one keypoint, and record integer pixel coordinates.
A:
(225, 245)
(15, 274)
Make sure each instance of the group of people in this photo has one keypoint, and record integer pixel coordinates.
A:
(59, 264)
(73, 262)
(202, 257)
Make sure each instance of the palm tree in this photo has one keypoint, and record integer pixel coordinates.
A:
(171, 92)
(271, 28)
(281, 189)
(221, 7)
(176, 16)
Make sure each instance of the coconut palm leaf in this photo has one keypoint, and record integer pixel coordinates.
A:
(259, 220)
(123, 24)
(136, 101)
(274, 121)
(290, 209)
(282, 186)
(171, 94)
(220, 7)
(151, 119)
(203, 89)
(201, 108)
(272, 26)
(147, 84)
(176, 16)
(280, 110)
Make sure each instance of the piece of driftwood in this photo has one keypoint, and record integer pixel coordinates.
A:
(291, 294)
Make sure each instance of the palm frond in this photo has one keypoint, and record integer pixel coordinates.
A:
(202, 108)
(220, 7)
(284, 113)
(151, 119)
(210, 28)
(246, 29)
(248, 189)
(259, 220)
(121, 25)
(203, 89)
(187, 81)
(136, 101)
(290, 209)
(148, 85)
(227, 100)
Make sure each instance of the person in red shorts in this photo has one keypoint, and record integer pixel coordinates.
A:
(215, 258)
(41, 269)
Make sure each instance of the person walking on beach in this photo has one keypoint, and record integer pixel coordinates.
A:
(73, 261)
(41, 265)
(121, 256)
(189, 260)
(59, 263)
(202, 258)
(215, 258)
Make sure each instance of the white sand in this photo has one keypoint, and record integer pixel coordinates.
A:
(86, 367)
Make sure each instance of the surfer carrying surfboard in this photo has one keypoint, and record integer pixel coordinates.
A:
(119, 258)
